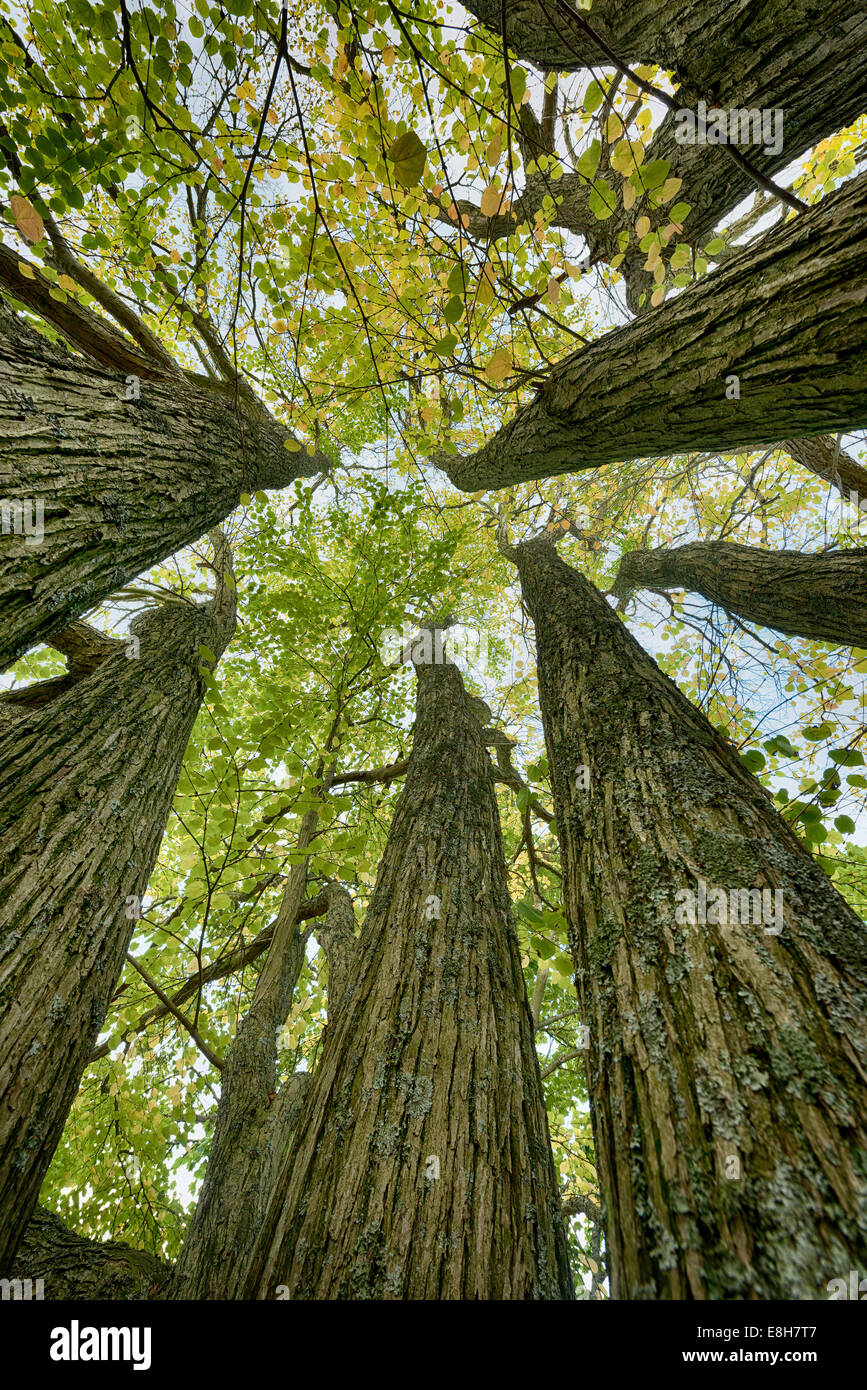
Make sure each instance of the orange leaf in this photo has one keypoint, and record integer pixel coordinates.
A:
(27, 219)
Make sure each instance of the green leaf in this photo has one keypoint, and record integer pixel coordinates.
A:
(816, 732)
(602, 201)
(753, 761)
(409, 156)
(593, 98)
(588, 162)
(654, 174)
(529, 913)
(847, 757)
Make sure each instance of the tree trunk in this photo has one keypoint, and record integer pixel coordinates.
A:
(727, 1062)
(787, 319)
(255, 1120)
(73, 1267)
(124, 479)
(424, 1168)
(86, 786)
(818, 596)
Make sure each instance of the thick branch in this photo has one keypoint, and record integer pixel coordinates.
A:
(816, 596)
(827, 460)
(84, 648)
(73, 1267)
(227, 965)
(788, 318)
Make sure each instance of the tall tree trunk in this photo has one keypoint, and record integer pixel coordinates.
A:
(126, 470)
(727, 1062)
(255, 1120)
(818, 596)
(86, 785)
(72, 1267)
(787, 318)
(424, 1168)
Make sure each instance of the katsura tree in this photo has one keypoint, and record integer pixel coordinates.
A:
(423, 1167)
(720, 975)
(250, 190)
(88, 776)
(136, 1109)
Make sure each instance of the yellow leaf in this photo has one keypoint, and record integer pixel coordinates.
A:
(658, 295)
(553, 290)
(642, 227)
(409, 156)
(668, 190)
(494, 150)
(27, 219)
(500, 365)
(629, 195)
(175, 255)
(490, 203)
(26, 270)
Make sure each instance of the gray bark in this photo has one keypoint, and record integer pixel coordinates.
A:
(788, 318)
(86, 785)
(124, 482)
(726, 1064)
(817, 596)
(429, 1067)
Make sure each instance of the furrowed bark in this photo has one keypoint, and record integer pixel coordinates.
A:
(817, 596)
(716, 48)
(336, 936)
(423, 1168)
(726, 1062)
(125, 479)
(824, 458)
(86, 785)
(73, 1267)
(788, 318)
(255, 1121)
